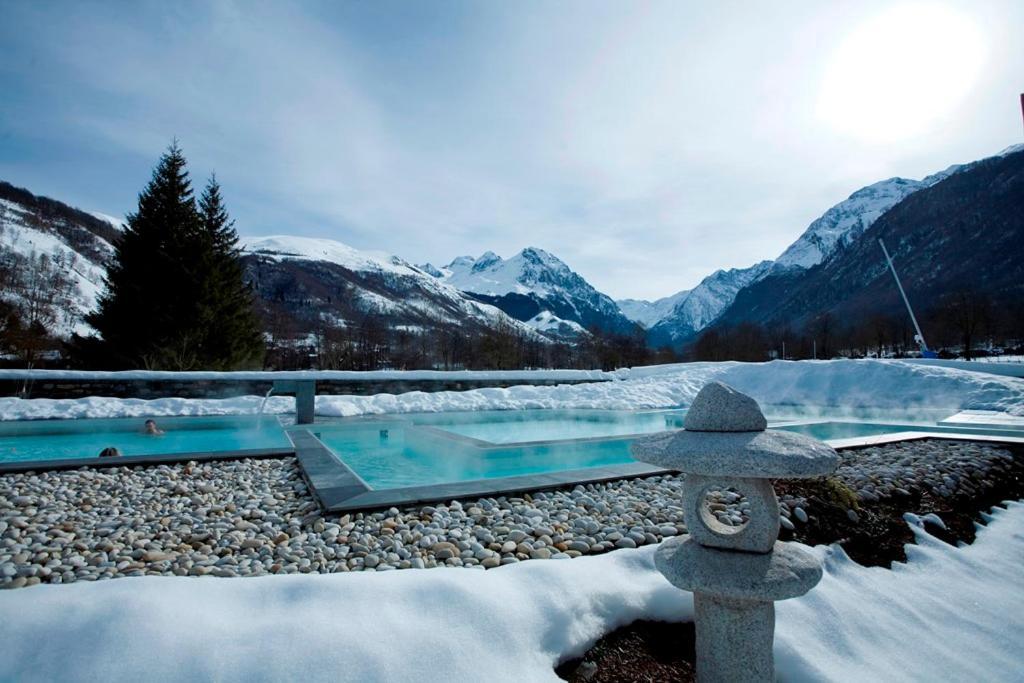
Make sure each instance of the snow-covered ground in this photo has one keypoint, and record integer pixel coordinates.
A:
(834, 386)
(19, 237)
(1009, 358)
(947, 614)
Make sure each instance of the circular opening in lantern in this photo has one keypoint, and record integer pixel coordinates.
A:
(725, 510)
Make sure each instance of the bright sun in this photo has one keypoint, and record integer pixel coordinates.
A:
(900, 72)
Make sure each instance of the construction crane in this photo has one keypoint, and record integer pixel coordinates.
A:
(919, 337)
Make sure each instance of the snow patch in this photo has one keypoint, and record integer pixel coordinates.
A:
(331, 251)
(118, 223)
(549, 323)
(88, 277)
(516, 623)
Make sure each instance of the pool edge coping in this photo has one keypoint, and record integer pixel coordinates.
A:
(142, 460)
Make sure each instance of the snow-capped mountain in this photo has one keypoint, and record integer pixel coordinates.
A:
(304, 285)
(846, 221)
(961, 236)
(647, 313)
(313, 282)
(307, 285)
(836, 229)
(534, 283)
(703, 304)
(77, 242)
(117, 223)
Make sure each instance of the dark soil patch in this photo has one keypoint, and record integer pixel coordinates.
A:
(878, 538)
(644, 651)
(656, 651)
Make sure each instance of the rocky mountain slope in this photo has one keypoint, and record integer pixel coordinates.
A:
(965, 232)
(703, 305)
(308, 284)
(535, 286)
(78, 243)
(837, 228)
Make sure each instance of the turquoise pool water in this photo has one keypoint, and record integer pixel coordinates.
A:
(408, 457)
(62, 439)
(409, 450)
(522, 426)
(418, 450)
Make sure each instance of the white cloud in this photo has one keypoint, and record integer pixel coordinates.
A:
(645, 145)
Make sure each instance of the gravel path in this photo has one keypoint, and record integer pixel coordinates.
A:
(253, 517)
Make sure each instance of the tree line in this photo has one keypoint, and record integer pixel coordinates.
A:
(372, 344)
(962, 324)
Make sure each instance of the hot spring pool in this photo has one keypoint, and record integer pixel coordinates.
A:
(523, 426)
(67, 439)
(422, 450)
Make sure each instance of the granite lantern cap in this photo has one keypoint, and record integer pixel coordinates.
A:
(725, 435)
(788, 571)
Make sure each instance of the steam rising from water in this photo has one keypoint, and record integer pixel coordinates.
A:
(864, 389)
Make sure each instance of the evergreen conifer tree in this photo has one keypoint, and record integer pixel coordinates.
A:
(232, 332)
(175, 299)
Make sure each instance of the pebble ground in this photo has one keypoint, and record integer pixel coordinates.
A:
(256, 516)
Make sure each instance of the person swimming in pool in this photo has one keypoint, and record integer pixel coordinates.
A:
(110, 452)
(151, 428)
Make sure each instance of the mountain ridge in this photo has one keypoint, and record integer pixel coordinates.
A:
(965, 232)
(838, 227)
(533, 283)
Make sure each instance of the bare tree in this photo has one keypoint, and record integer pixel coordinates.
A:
(39, 297)
(967, 312)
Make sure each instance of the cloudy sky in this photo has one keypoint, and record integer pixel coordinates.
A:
(646, 144)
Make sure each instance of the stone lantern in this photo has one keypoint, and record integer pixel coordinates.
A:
(735, 572)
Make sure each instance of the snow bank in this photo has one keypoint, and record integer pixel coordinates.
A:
(458, 625)
(101, 407)
(948, 614)
(833, 386)
(840, 384)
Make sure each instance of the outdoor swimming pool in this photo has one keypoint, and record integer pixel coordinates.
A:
(427, 449)
(67, 439)
(420, 450)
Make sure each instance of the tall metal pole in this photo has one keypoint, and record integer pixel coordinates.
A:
(888, 259)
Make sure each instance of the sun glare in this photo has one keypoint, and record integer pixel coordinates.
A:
(901, 72)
